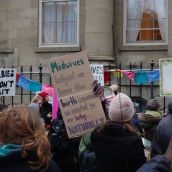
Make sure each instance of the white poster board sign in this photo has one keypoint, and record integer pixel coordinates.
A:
(7, 82)
(98, 73)
(165, 77)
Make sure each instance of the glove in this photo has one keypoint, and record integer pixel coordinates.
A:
(98, 90)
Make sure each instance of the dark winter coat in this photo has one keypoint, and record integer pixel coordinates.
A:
(162, 136)
(149, 121)
(45, 109)
(117, 149)
(15, 163)
(158, 164)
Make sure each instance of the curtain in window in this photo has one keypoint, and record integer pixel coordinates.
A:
(66, 22)
(135, 9)
(160, 9)
(48, 22)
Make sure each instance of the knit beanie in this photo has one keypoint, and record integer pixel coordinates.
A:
(43, 94)
(121, 108)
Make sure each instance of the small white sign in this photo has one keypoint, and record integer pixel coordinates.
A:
(7, 82)
(98, 73)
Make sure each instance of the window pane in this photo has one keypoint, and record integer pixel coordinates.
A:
(59, 22)
(48, 33)
(146, 20)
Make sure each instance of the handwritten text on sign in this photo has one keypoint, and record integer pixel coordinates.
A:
(7, 82)
(98, 73)
(81, 109)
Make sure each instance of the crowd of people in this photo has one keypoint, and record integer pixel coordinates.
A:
(31, 141)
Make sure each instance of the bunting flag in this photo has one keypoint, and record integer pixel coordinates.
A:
(51, 91)
(128, 74)
(116, 74)
(28, 84)
(153, 75)
(141, 77)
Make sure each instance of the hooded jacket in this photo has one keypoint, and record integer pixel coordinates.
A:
(11, 160)
(117, 149)
(157, 164)
(162, 136)
(149, 121)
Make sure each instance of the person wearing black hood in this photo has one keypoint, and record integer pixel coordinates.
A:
(163, 134)
(45, 109)
(117, 144)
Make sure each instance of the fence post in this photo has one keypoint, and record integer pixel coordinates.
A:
(152, 67)
(21, 93)
(12, 98)
(3, 98)
(130, 79)
(141, 66)
(40, 73)
(120, 78)
(30, 70)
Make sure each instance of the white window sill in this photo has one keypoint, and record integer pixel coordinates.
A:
(57, 49)
(143, 48)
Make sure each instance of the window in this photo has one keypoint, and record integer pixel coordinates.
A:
(59, 23)
(145, 22)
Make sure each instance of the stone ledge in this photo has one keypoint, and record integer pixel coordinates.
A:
(56, 49)
(6, 50)
(144, 48)
(101, 58)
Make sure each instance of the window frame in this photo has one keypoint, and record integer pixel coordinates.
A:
(125, 43)
(49, 45)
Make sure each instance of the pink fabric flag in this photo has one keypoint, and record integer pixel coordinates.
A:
(51, 91)
(128, 74)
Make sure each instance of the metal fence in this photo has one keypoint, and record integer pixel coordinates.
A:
(139, 93)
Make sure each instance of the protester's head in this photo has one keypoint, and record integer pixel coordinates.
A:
(170, 107)
(44, 96)
(153, 105)
(36, 99)
(21, 125)
(114, 88)
(121, 108)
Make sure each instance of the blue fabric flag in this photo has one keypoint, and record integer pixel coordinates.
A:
(23, 82)
(34, 86)
(141, 77)
(153, 75)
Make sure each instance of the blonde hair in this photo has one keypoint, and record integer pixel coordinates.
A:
(35, 99)
(21, 125)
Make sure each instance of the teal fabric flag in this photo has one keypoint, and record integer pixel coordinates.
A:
(23, 82)
(34, 86)
(141, 77)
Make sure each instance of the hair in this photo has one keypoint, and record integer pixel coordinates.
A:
(35, 99)
(21, 125)
(153, 105)
(126, 125)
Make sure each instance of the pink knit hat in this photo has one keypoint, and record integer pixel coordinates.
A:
(121, 108)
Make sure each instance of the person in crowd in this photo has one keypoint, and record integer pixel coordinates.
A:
(117, 144)
(35, 102)
(160, 163)
(45, 109)
(24, 146)
(150, 118)
(64, 150)
(163, 134)
(135, 121)
(114, 88)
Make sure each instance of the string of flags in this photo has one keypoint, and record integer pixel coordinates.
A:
(138, 76)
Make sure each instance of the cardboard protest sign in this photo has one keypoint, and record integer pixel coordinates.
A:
(98, 73)
(165, 77)
(81, 109)
(7, 82)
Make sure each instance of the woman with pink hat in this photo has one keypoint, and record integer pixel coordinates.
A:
(117, 144)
